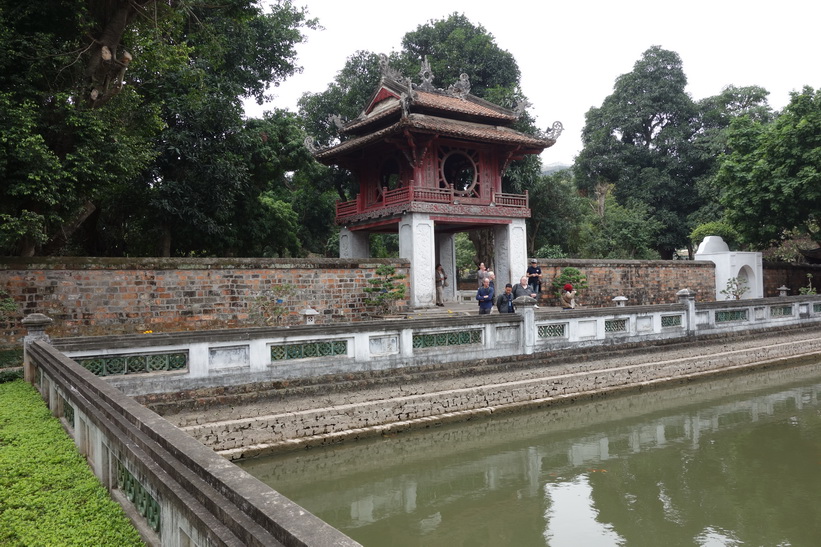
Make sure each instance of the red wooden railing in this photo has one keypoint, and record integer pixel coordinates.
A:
(409, 194)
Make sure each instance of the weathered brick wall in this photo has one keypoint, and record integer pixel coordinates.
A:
(792, 276)
(91, 296)
(643, 282)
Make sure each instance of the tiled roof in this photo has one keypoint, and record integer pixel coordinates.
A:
(420, 123)
(447, 105)
(469, 105)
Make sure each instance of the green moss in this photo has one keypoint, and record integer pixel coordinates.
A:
(48, 494)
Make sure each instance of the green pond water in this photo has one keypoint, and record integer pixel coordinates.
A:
(730, 462)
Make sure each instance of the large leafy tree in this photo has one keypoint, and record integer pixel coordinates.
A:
(715, 114)
(65, 135)
(556, 212)
(639, 141)
(772, 174)
(201, 181)
(132, 119)
(455, 45)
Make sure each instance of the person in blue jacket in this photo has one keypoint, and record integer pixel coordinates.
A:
(485, 296)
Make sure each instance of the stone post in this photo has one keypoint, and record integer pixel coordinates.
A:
(35, 325)
(525, 306)
(688, 297)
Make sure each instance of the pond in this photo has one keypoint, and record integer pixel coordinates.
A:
(733, 461)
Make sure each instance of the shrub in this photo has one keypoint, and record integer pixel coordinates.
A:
(384, 291)
(735, 289)
(570, 275)
(48, 494)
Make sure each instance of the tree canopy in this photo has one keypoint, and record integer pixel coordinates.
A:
(638, 141)
(122, 121)
(772, 174)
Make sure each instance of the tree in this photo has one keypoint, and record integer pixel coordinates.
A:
(141, 153)
(715, 115)
(639, 139)
(611, 230)
(455, 45)
(60, 150)
(772, 175)
(556, 210)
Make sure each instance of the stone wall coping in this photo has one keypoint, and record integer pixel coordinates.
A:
(80, 343)
(192, 477)
(83, 343)
(176, 263)
(772, 301)
(605, 263)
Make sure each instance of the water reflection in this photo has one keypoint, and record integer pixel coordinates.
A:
(729, 462)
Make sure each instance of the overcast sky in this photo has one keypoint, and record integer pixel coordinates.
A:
(570, 53)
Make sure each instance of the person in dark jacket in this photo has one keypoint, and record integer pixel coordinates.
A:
(504, 303)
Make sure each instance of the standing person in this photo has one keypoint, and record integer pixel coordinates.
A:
(492, 277)
(523, 289)
(485, 297)
(441, 283)
(534, 276)
(505, 301)
(568, 297)
(481, 273)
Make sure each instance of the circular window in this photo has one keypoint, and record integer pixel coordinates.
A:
(459, 170)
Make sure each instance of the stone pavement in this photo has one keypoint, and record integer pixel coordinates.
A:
(458, 308)
(334, 412)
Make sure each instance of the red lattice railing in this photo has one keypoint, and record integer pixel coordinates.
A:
(408, 194)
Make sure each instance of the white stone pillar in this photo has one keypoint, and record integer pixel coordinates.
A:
(446, 253)
(416, 244)
(510, 252)
(354, 244)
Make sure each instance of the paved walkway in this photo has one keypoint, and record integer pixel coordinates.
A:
(459, 308)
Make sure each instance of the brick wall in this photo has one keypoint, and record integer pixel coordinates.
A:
(643, 282)
(92, 296)
(792, 276)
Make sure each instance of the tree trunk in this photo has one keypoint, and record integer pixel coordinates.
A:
(483, 243)
(108, 62)
(68, 229)
(165, 243)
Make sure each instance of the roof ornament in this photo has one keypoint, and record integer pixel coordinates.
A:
(388, 71)
(427, 76)
(405, 100)
(311, 145)
(336, 119)
(554, 132)
(521, 106)
(461, 88)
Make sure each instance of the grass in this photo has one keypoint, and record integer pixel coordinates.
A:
(48, 494)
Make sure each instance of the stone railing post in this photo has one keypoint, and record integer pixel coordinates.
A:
(35, 325)
(688, 297)
(525, 306)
